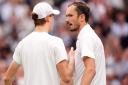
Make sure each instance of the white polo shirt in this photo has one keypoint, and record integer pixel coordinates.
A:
(39, 53)
(89, 44)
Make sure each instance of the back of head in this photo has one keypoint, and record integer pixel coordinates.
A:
(38, 21)
(41, 11)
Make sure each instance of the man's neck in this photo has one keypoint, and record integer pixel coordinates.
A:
(42, 28)
(82, 25)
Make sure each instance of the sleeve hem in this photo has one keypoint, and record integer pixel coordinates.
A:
(61, 60)
(16, 61)
(90, 56)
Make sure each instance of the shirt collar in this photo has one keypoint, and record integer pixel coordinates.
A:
(86, 28)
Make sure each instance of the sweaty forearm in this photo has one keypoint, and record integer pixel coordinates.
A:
(87, 77)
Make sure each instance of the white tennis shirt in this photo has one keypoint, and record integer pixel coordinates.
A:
(89, 44)
(39, 53)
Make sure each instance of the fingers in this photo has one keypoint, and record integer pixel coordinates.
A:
(72, 49)
(71, 52)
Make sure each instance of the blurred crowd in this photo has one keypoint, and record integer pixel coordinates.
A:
(109, 19)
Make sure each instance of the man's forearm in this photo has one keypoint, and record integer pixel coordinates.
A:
(71, 66)
(10, 73)
(87, 77)
(7, 82)
(69, 71)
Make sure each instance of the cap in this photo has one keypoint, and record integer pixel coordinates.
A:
(44, 9)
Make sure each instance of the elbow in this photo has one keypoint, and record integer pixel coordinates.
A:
(67, 79)
(92, 71)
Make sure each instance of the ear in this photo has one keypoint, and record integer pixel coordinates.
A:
(82, 17)
(47, 18)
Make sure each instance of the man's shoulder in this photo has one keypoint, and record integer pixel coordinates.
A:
(55, 38)
(55, 41)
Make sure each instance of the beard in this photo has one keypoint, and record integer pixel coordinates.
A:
(72, 28)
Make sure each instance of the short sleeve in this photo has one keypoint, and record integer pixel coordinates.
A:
(87, 47)
(60, 51)
(17, 54)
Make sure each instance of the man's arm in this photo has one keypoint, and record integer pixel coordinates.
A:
(10, 73)
(66, 69)
(89, 72)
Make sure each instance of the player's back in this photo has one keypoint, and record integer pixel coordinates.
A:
(38, 59)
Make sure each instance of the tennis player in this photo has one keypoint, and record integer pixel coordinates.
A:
(42, 56)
